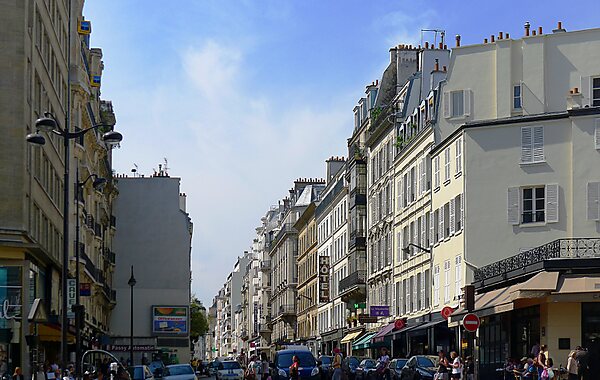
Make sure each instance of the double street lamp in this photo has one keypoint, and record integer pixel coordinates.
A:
(49, 124)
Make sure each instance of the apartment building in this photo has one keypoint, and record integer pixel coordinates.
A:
(332, 241)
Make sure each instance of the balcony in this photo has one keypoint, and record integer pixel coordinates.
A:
(286, 311)
(545, 257)
(113, 221)
(353, 286)
(265, 265)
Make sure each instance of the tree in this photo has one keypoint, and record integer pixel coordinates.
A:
(198, 321)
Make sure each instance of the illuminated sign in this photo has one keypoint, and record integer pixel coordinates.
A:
(84, 27)
(323, 279)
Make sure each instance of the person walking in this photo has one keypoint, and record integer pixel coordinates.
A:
(442, 371)
(337, 364)
(264, 363)
(456, 366)
(582, 357)
(540, 362)
(572, 366)
(295, 368)
(18, 375)
(383, 363)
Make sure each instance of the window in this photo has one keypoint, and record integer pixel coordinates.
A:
(533, 205)
(457, 100)
(400, 195)
(597, 133)
(517, 97)
(447, 164)
(458, 276)
(406, 296)
(419, 288)
(458, 204)
(532, 144)
(458, 155)
(593, 201)
(436, 172)
(436, 285)
(445, 221)
(413, 188)
(596, 91)
(446, 280)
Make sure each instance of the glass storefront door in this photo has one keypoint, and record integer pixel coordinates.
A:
(590, 333)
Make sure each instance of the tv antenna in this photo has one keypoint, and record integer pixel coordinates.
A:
(435, 32)
(135, 170)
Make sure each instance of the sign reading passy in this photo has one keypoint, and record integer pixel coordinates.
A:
(323, 279)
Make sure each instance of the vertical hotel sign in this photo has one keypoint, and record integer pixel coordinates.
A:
(323, 279)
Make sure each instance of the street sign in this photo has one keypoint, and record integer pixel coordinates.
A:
(446, 312)
(380, 311)
(400, 323)
(471, 322)
(362, 318)
(71, 295)
(361, 305)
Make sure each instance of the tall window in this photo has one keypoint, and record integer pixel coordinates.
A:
(533, 204)
(436, 172)
(458, 276)
(596, 91)
(446, 280)
(436, 285)
(458, 155)
(458, 107)
(517, 97)
(447, 164)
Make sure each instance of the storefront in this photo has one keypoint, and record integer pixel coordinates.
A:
(331, 340)
(348, 340)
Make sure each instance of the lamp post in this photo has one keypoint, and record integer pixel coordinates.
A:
(131, 284)
(49, 124)
(98, 183)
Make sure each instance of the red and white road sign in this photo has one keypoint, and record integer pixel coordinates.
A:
(471, 322)
(447, 311)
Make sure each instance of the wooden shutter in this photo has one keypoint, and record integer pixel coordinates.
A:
(462, 212)
(452, 216)
(423, 232)
(593, 200)
(526, 144)
(586, 90)
(552, 203)
(467, 102)
(513, 205)
(408, 187)
(441, 231)
(423, 175)
(431, 229)
(597, 133)
(447, 104)
(538, 144)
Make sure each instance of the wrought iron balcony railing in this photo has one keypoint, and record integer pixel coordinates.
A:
(356, 278)
(557, 249)
(265, 265)
(286, 310)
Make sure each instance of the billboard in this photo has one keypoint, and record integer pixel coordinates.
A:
(323, 279)
(170, 320)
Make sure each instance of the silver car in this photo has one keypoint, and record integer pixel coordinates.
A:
(179, 372)
(230, 370)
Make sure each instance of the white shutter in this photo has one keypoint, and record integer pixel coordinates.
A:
(441, 231)
(399, 247)
(586, 90)
(423, 232)
(452, 216)
(420, 179)
(593, 200)
(424, 175)
(467, 102)
(538, 144)
(399, 200)
(431, 229)
(408, 187)
(462, 212)
(446, 104)
(597, 133)
(513, 205)
(552, 203)
(526, 144)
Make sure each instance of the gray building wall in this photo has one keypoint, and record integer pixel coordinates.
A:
(154, 236)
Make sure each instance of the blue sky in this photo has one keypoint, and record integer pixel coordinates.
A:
(244, 96)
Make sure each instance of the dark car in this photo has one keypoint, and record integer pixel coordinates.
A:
(366, 370)
(324, 364)
(395, 367)
(349, 366)
(280, 368)
(419, 368)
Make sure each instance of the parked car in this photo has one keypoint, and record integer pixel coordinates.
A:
(366, 370)
(324, 364)
(349, 366)
(280, 368)
(230, 370)
(142, 372)
(395, 367)
(179, 372)
(213, 367)
(157, 368)
(419, 367)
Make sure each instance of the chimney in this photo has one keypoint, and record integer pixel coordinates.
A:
(437, 65)
(559, 28)
(426, 45)
(533, 32)
(507, 36)
(485, 40)
(492, 39)
(458, 40)
(445, 47)
(444, 68)
(441, 45)
(500, 35)
(527, 26)
(540, 30)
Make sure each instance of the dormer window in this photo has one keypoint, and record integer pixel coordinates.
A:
(356, 117)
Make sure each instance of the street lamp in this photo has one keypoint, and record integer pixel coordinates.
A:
(406, 249)
(78, 308)
(131, 284)
(48, 124)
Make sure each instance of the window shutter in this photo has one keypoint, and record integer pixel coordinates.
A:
(441, 231)
(467, 102)
(431, 229)
(399, 247)
(452, 216)
(462, 212)
(538, 144)
(447, 104)
(513, 205)
(552, 203)
(597, 133)
(526, 144)
(401, 200)
(423, 175)
(586, 90)
(593, 200)
(390, 248)
(423, 232)
(408, 188)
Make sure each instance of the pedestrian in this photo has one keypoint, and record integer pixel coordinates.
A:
(549, 365)
(535, 350)
(295, 368)
(471, 368)
(540, 362)
(582, 357)
(337, 364)
(572, 366)
(18, 375)
(529, 369)
(251, 370)
(264, 364)
(456, 366)
(442, 371)
(382, 364)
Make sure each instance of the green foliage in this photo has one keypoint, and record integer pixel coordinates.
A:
(198, 321)
(375, 113)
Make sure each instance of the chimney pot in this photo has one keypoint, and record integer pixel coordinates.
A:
(507, 36)
(559, 25)
(426, 45)
(500, 35)
(437, 65)
(444, 68)
(492, 38)
(540, 30)
(485, 40)
(533, 32)
(527, 26)
(458, 40)
(445, 47)
(441, 45)
(576, 90)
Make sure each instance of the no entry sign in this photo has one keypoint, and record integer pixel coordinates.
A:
(471, 322)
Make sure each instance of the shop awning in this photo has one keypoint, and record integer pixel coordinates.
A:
(385, 330)
(363, 342)
(350, 337)
(48, 333)
(427, 325)
(409, 328)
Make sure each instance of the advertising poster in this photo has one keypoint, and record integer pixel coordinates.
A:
(170, 320)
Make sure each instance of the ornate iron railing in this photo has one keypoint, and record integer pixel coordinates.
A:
(557, 249)
(358, 277)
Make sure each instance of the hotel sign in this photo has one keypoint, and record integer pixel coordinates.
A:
(324, 279)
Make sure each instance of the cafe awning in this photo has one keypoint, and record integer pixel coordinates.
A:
(350, 337)
(363, 342)
(49, 333)
(380, 335)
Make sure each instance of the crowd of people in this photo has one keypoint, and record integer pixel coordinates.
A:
(540, 365)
